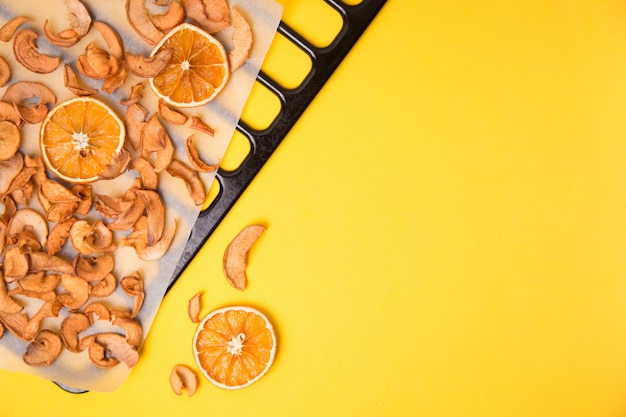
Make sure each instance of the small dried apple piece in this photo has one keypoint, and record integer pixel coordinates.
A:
(194, 158)
(15, 323)
(194, 307)
(117, 167)
(44, 349)
(9, 112)
(236, 255)
(171, 115)
(97, 63)
(41, 261)
(199, 125)
(191, 178)
(31, 99)
(10, 140)
(27, 53)
(64, 39)
(5, 72)
(29, 219)
(138, 18)
(50, 308)
(91, 238)
(94, 268)
(132, 330)
(149, 176)
(16, 264)
(84, 194)
(136, 94)
(99, 310)
(242, 37)
(79, 17)
(133, 285)
(174, 15)
(105, 287)
(126, 219)
(7, 303)
(210, 15)
(112, 39)
(148, 67)
(135, 121)
(154, 138)
(77, 291)
(10, 169)
(182, 378)
(39, 283)
(70, 80)
(71, 327)
(9, 28)
(158, 249)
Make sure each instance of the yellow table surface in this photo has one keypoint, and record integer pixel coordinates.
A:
(446, 229)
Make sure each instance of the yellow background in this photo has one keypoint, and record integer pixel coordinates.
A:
(446, 228)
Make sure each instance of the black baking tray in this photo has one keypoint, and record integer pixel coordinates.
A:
(293, 102)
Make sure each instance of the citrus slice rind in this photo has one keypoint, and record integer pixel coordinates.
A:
(234, 346)
(79, 138)
(198, 70)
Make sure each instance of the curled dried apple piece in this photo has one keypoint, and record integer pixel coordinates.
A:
(41, 261)
(182, 379)
(236, 255)
(97, 63)
(154, 138)
(10, 169)
(15, 323)
(242, 37)
(106, 350)
(174, 15)
(194, 307)
(5, 72)
(117, 167)
(31, 99)
(10, 140)
(158, 249)
(44, 349)
(64, 39)
(135, 122)
(71, 327)
(138, 18)
(27, 53)
(70, 80)
(149, 177)
(171, 115)
(29, 219)
(9, 112)
(7, 303)
(105, 287)
(133, 285)
(148, 67)
(97, 311)
(194, 158)
(112, 39)
(155, 211)
(39, 283)
(91, 238)
(9, 28)
(199, 125)
(16, 264)
(94, 268)
(77, 291)
(136, 94)
(132, 330)
(127, 218)
(50, 308)
(210, 15)
(79, 17)
(191, 178)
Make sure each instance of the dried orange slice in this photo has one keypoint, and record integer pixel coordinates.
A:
(79, 138)
(197, 71)
(234, 346)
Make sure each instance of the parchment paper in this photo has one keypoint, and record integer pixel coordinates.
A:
(76, 369)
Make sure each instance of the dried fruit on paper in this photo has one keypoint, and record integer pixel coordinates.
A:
(137, 213)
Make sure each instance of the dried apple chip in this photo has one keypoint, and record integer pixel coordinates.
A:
(44, 349)
(210, 15)
(190, 177)
(5, 72)
(138, 18)
(182, 378)
(9, 28)
(236, 255)
(174, 15)
(27, 53)
(194, 307)
(10, 140)
(71, 327)
(148, 67)
(70, 80)
(242, 37)
(194, 158)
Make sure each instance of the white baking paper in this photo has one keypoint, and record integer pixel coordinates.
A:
(75, 370)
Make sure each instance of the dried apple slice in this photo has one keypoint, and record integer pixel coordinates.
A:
(210, 15)
(199, 125)
(10, 140)
(174, 15)
(44, 349)
(71, 327)
(171, 115)
(106, 350)
(236, 255)
(70, 80)
(9, 28)
(77, 291)
(138, 18)
(148, 67)
(27, 53)
(5, 72)
(194, 158)
(242, 37)
(182, 378)
(190, 177)
(194, 307)
(31, 99)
